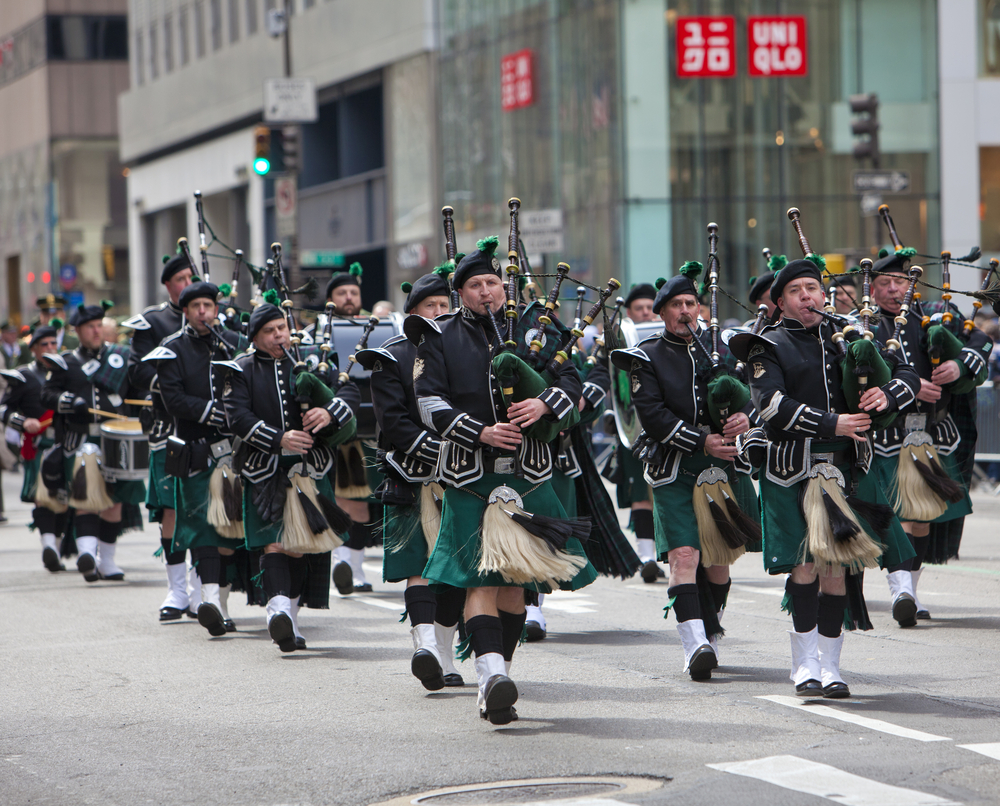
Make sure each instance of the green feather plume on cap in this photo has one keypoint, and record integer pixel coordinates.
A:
(272, 296)
(691, 270)
(356, 271)
(405, 287)
(488, 244)
(57, 323)
(244, 317)
(445, 270)
(777, 262)
(818, 260)
(226, 290)
(107, 305)
(906, 251)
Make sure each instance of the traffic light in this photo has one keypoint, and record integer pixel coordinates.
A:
(262, 150)
(866, 127)
(290, 148)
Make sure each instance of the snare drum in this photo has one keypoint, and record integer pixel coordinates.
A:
(125, 450)
(626, 418)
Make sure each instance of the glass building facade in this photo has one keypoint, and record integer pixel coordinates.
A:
(640, 160)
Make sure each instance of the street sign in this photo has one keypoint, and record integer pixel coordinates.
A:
(541, 230)
(290, 100)
(285, 204)
(870, 202)
(881, 181)
(67, 276)
(321, 258)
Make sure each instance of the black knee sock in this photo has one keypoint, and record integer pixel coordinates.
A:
(513, 627)
(906, 565)
(172, 557)
(359, 536)
(531, 598)
(485, 635)
(60, 523)
(642, 523)
(450, 603)
(720, 594)
(225, 561)
(277, 580)
(830, 618)
(421, 604)
(920, 545)
(45, 520)
(207, 564)
(685, 598)
(805, 604)
(298, 570)
(108, 531)
(87, 525)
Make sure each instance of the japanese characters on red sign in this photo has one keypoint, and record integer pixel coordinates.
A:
(778, 46)
(517, 80)
(706, 47)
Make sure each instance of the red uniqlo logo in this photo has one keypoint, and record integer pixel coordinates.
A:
(517, 80)
(706, 47)
(778, 46)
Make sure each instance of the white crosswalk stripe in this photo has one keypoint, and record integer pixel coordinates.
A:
(855, 719)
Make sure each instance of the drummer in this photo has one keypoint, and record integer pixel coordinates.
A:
(633, 491)
(84, 388)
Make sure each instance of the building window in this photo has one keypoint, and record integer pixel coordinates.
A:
(168, 44)
(182, 35)
(234, 21)
(989, 21)
(78, 37)
(154, 52)
(251, 17)
(199, 28)
(140, 73)
(215, 23)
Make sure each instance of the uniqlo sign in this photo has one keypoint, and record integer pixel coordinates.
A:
(777, 46)
(517, 80)
(706, 47)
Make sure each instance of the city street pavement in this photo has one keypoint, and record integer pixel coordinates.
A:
(102, 704)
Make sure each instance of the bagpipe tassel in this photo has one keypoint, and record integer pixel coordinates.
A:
(88, 490)
(834, 536)
(878, 516)
(431, 499)
(744, 523)
(306, 530)
(339, 520)
(722, 541)
(352, 482)
(520, 556)
(921, 494)
(45, 499)
(225, 505)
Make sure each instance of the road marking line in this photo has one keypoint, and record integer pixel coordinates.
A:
(396, 605)
(822, 780)
(991, 749)
(753, 589)
(855, 719)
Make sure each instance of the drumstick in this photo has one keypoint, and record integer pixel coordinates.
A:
(108, 414)
(139, 402)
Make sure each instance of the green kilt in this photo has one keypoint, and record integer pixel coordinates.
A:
(192, 529)
(674, 521)
(784, 526)
(31, 470)
(160, 495)
(121, 492)
(633, 487)
(404, 546)
(565, 488)
(455, 559)
(260, 534)
(887, 466)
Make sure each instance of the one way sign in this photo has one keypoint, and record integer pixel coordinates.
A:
(881, 181)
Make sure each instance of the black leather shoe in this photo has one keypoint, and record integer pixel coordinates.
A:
(210, 617)
(702, 662)
(922, 615)
(192, 613)
(453, 680)
(171, 614)
(343, 578)
(86, 565)
(534, 631)
(281, 632)
(650, 571)
(300, 642)
(230, 625)
(111, 577)
(810, 688)
(427, 670)
(904, 610)
(365, 588)
(836, 691)
(500, 696)
(50, 559)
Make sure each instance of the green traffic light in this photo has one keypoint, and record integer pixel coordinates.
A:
(261, 166)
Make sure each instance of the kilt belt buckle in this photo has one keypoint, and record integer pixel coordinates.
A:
(818, 458)
(504, 465)
(222, 448)
(827, 470)
(916, 422)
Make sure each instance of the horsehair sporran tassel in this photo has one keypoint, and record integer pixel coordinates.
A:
(744, 523)
(513, 552)
(339, 520)
(431, 498)
(915, 499)
(232, 494)
(89, 492)
(217, 514)
(299, 535)
(854, 548)
(714, 525)
(352, 481)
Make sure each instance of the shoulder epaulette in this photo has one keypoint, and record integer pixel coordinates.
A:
(161, 353)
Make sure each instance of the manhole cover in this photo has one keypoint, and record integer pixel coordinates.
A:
(535, 790)
(521, 793)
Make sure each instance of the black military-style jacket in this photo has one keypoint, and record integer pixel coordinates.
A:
(458, 395)
(261, 405)
(411, 448)
(191, 385)
(100, 378)
(22, 399)
(151, 327)
(797, 388)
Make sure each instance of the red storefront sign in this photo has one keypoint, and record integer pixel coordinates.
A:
(706, 47)
(778, 46)
(517, 80)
